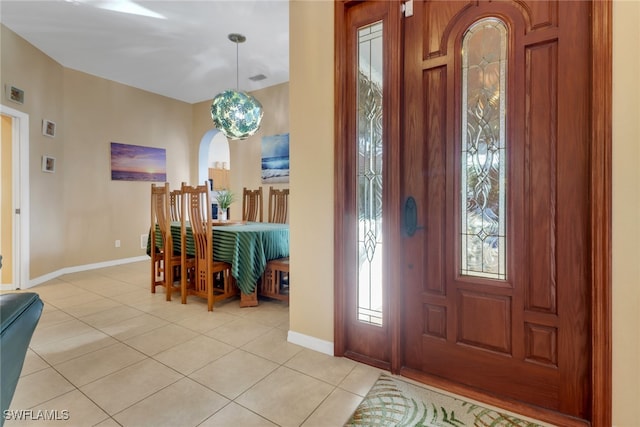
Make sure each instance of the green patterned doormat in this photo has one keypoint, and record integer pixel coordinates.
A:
(392, 402)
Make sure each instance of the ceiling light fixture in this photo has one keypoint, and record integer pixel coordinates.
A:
(234, 112)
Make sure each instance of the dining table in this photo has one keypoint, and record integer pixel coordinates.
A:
(247, 246)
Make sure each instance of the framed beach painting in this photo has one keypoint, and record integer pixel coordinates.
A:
(275, 158)
(138, 163)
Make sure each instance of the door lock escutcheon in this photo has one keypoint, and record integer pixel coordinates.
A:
(410, 216)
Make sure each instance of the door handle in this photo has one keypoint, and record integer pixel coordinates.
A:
(410, 216)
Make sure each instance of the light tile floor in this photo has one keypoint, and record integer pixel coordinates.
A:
(109, 352)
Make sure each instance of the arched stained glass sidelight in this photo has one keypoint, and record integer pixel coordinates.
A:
(483, 168)
(369, 188)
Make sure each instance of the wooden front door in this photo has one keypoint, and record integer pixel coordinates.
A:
(495, 204)
(496, 182)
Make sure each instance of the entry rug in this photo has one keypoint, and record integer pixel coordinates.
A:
(392, 402)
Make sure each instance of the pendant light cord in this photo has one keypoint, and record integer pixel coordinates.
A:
(237, 69)
(237, 39)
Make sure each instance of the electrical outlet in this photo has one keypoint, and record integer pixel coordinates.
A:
(143, 241)
(117, 243)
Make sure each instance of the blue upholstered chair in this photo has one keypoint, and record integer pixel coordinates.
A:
(19, 315)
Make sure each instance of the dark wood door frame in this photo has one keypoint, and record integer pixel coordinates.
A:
(600, 214)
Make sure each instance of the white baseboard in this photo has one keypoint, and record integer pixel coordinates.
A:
(310, 342)
(78, 268)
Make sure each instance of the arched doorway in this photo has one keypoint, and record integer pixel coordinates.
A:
(214, 163)
(213, 154)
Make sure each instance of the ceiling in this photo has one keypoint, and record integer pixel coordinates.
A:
(179, 49)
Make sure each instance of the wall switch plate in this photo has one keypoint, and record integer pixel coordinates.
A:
(117, 243)
(143, 241)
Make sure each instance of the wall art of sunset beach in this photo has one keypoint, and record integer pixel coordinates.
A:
(138, 163)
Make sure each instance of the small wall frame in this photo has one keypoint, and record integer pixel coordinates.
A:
(48, 164)
(14, 94)
(49, 128)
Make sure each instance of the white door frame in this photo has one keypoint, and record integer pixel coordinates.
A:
(20, 166)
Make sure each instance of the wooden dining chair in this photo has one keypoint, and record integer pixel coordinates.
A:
(196, 204)
(252, 205)
(165, 264)
(275, 280)
(278, 205)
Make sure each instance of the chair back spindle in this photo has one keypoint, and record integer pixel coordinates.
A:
(252, 204)
(175, 205)
(278, 205)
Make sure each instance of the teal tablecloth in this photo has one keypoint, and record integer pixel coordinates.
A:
(246, 247)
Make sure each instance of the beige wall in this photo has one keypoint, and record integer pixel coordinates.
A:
(41, 78)
(311, 114)
(97, 211)
(626, 213)
(77, 213)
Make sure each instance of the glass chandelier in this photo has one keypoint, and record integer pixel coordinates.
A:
(234, 112)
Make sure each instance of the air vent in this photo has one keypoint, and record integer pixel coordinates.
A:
(257, 77)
